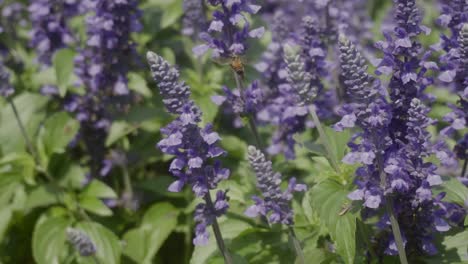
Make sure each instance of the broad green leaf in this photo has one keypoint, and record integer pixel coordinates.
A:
(159, 213)
(138, 84)
(458, 242)
(257, 247)
(63, 62)
(168, 55)
(144, 242)
(327, 199)
(455, 190)
(159, 186)
(107, 243)
(17, 167)
(57, 132)
(230, 228)
(95, 206)
(42, 196)
(49, 241)
(171, 14)
(118, 130)
(5, 217)
(98, 189)
(31, 112)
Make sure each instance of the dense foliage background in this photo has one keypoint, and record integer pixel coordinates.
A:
(92, 114)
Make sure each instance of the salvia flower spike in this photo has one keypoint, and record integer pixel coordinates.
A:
(81, 242)
(275, 204)
(195, 149)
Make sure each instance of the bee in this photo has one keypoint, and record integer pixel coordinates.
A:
(236, 62)
(237, 65)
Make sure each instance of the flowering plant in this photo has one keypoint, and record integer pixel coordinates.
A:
(233, 131)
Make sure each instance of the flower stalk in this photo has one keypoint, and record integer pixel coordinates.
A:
(217, 232)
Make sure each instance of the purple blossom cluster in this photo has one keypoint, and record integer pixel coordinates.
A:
(6, 90)
(454, 73)
(320, 23)
(50, 30)
(193, 147)
(394, 142)
(275, 204)
(285, 106)
(229, 30)
(194, 20)
(102, 67)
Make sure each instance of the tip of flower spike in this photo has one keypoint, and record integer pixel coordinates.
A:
(251, 149)
(151, 56)
(290, 49)
(465, 27)
(342, 38)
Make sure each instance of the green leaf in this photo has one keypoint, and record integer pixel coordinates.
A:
(171, 14)
(17, 167)
(338, 141)
(41, 196)
(63, 62)
(49, 241)
(327, 199)
(458, 242)
(230, 228)
(144, 242)
(107, 243)
(57, 132)
(5, 217)
(31, 111)
(455, 190)
(95, 206)
(138, 84)
(118, 130)
(98, 189)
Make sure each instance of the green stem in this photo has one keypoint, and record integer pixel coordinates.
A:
(28, 142)
(297, 246)
(217, 233)
(324, 139)
(128, 192)
(396, 231)
(389, 207)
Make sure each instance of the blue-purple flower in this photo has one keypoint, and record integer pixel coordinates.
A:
(6, 90)
(194, 20)
(275, 204)
(229, 30)
(50, 31)
(195, 148)
(392, 166)
(102, 67)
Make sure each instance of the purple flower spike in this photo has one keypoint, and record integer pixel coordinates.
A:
(6, 90)
(195, 148)
(408, 177)
(194, 20)
(275, 204)
(229, 30)
(50, 31)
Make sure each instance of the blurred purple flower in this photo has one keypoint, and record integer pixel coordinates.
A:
(50, 31)
(229, 30)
